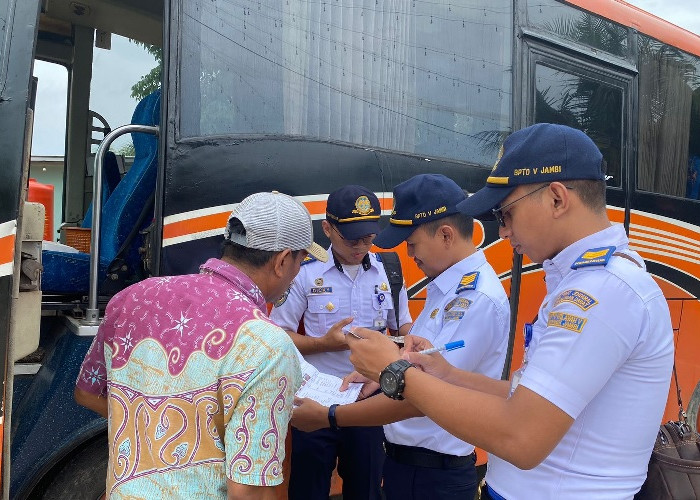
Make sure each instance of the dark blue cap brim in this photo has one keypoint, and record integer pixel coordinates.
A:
(359, 229)
(392, 236)
(479, 204)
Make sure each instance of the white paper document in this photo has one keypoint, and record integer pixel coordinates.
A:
(324, 388)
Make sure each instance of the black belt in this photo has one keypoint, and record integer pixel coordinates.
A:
(423, 457)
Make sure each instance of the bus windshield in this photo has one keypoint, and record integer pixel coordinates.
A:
(423, 77)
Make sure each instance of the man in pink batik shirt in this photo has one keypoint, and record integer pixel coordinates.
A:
(196, 381)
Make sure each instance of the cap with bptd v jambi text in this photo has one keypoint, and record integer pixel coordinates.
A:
(422, 198)
(273, 222)
(544, 152)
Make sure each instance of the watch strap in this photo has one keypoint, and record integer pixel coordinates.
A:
(331, 417)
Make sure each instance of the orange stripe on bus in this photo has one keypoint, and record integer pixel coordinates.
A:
(629, 15)
(195, 225)
(218, 221)
(7, 249)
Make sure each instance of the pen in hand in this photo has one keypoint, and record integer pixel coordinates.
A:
(450, 346)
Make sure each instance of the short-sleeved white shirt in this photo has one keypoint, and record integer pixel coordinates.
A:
(324, 295)
(480, 317)
(602, 351)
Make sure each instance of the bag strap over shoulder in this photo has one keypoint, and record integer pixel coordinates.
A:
(392, 267)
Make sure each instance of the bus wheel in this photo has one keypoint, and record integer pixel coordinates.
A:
(693, 406)
(83, 476)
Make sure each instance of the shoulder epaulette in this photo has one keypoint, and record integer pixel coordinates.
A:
(468, 282)
(308, 259)
(593, 257)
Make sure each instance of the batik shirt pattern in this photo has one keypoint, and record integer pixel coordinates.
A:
(200, 385)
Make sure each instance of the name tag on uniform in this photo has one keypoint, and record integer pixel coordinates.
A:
(453, 315)
(321, 289)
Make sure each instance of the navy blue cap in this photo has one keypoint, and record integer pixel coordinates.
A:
(420, 199)
(540, 153)
(354, 210)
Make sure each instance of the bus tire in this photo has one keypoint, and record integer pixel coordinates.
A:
(693, 406)
(83, 476)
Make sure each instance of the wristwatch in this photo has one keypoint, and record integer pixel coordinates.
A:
(331, 418)
(392, 381)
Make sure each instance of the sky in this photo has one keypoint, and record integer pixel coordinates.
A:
(683, 13)
(117, 69)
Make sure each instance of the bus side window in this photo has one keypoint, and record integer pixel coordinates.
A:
(669, 120)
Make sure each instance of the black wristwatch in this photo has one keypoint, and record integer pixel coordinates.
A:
(392, 381)
(331, 418)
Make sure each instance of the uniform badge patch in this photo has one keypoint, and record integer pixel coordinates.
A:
(330, 306)
(566, 321)
(318, 282)
(307, 260)
(384, 287)
(468, 282)
(433, 313)
(459, 303)
(593, 257)
(453, 315)
(577, 298)
(321, 289)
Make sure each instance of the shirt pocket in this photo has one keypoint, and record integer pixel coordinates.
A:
(323, 311)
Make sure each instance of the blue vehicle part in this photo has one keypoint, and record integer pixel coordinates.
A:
(47, 423)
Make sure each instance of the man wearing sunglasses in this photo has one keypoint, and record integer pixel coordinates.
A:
(579, 419)
(351, 289)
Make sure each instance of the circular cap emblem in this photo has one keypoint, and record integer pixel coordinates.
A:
(363, 206)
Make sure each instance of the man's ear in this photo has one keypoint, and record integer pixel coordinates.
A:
(280, 261)
(559, 198)
(447, 233)
(326, 226)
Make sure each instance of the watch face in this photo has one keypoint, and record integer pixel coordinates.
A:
(389, 383)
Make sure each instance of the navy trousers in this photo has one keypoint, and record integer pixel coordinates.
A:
(411, 482)
(360, 457)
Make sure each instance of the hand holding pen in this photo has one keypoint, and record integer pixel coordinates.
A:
(450, 346)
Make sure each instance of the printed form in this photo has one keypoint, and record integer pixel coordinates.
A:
(324, 388)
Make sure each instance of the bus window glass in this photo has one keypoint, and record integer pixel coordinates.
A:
(669, 120)
(49, 131)
(586, 104)
(425, 77)
(121, 76)
(578, 26)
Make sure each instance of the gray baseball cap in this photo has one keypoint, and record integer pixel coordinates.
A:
(273, 221)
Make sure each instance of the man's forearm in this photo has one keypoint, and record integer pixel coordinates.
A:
(478, 382)
(307, 344)
(98, 404)
(377, 410)
(522, 430)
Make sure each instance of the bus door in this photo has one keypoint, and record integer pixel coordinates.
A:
(18, 25)
(569, 86)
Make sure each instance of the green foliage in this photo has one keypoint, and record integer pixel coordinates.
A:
(126, 150)
(150, 81)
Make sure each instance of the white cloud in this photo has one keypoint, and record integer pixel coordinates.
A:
(114, 72)
(683, 13)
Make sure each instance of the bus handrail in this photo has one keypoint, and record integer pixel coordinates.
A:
(92, 315)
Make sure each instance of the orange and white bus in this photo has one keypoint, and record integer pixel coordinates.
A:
(304, 96)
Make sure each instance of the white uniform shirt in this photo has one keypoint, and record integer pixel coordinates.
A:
(601, 351)
(480, 317)
(323, 296)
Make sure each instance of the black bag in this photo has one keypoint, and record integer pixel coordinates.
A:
(674, 466)
(392, 267)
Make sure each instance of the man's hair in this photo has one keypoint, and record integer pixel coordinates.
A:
(590, 192)
(464, 224)
(249, 256)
